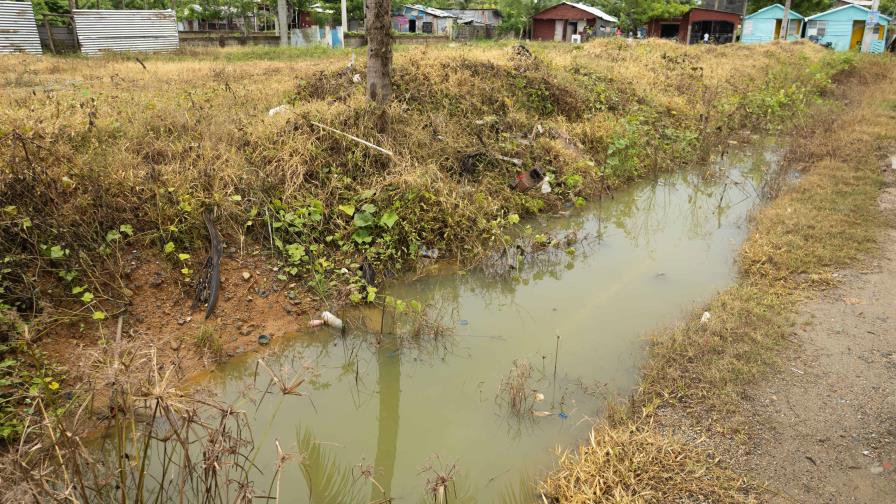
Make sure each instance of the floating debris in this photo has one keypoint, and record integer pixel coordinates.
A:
(331, 320)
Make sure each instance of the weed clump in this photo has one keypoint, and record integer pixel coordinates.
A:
(632, 464)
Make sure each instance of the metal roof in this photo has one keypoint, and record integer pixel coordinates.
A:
(793, 13)
(593, 10)
(18, 30)
(126, 30)
(431, 10)
(881, 18)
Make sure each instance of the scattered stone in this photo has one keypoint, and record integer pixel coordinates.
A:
(247, 275)
(877, 469)
(706, 317)
(175, 344)
(156, 280)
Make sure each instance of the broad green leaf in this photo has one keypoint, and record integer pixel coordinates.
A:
(169, 247)
(113, 235)
(369, 208)
(236, 197)
(348, 209)
(513, 218)
(388, 219)
(57, 252)
(363, 219)
(99, 315)
(87, 297)
(183, 257)
(126, 229)
(78, 289)
(362, 236)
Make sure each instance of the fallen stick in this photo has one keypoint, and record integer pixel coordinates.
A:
(365, 142)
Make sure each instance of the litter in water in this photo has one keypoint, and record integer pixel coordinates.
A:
(331, 320)
(563, 415)
(464, 322)
(315, 323)
(542, 413)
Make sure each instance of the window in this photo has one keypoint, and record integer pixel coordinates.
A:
(817, 28)
(427, 27)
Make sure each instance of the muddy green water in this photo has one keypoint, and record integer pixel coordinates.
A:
(643, 258)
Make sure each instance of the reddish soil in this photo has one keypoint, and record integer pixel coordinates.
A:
(160, 315)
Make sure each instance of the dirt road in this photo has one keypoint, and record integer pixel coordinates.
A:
(826, 421)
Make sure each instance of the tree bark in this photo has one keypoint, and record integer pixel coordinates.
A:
(282, 23)
(378, 24)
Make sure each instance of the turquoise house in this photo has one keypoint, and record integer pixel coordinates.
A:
(765, 25)
(845, 26)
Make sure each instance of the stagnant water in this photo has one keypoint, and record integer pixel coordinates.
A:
(418, 407)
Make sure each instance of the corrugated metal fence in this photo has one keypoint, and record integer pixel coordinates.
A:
(18, 31)
(126, 30)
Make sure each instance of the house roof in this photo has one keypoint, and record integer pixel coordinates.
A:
(861, 3)
(594, 11)
(881, 19)
(793, 13)
(431, 11)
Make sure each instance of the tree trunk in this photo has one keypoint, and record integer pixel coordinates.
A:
(378, 24)
(282, 23)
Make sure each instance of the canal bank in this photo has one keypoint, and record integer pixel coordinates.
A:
(710, 391)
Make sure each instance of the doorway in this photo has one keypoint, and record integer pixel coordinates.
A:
(669, 30)
(858, 31)
(412, 25)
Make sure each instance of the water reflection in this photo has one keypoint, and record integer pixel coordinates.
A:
(398, 398)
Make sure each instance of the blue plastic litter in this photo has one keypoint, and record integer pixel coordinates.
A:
(563, 415)
(264, 339)
(464, 322)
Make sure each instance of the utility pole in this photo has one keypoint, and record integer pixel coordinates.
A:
(282, 24)
(870, 23)
(785, 23)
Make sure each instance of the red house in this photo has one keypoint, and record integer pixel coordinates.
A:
(691, 27)
(566, 19)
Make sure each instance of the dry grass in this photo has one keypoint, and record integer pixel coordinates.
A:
(94, 144)
(633, 464)
(829, 219)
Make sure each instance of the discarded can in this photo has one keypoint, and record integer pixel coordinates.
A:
(528, 179)
(331, 320)
(315, 323)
